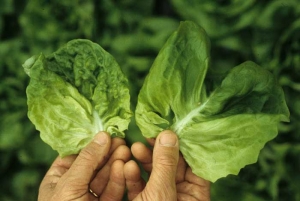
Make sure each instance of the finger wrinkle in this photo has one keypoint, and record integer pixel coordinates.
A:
(193, 190)
(183, 196)
(167, 161)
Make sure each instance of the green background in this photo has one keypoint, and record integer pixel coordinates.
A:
(133, 31)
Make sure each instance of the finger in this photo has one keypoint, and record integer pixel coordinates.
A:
(151, 141)
(100, 181)
(134, 182)
(189, 191)
(192, 178)
(181, 169)
(58, 168)
(116, 185)
(195, 186)
(65, 162)
(143, 154)
(165, 160)
(122, 154)
(61, 165)
(115, 143)
(185, 196)
(91, 158)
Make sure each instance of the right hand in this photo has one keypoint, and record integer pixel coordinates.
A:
(170, 179)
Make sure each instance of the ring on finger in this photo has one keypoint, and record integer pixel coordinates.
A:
(93, 193)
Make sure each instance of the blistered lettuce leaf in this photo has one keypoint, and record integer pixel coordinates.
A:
(74, 93)
(220, 130)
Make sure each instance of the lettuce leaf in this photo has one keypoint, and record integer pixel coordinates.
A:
(221, 129)
(74, 93)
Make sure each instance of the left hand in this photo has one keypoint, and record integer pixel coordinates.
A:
(98, 167)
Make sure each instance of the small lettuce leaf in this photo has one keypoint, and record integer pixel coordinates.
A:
(74, 93)
(220, 130)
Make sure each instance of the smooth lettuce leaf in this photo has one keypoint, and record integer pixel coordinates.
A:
(221, 129)
(169, 90)
(74, 93)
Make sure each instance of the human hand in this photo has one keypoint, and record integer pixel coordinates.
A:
(99, 167)
(170, 178)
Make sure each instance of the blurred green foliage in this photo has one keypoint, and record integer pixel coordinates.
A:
(267, 32)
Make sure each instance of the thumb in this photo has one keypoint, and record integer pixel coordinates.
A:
(165, 160)
(90, 158)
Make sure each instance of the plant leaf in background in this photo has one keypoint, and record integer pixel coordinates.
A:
(215, 16)
(76, 92)
(220, 131)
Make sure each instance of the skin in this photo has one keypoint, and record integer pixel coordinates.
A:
(98, 166)
(105, 167)
(170, 177)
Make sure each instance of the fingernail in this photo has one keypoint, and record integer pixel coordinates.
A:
(101, 139)
(168, 140)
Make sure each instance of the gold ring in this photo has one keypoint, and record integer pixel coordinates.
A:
(93, 193)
